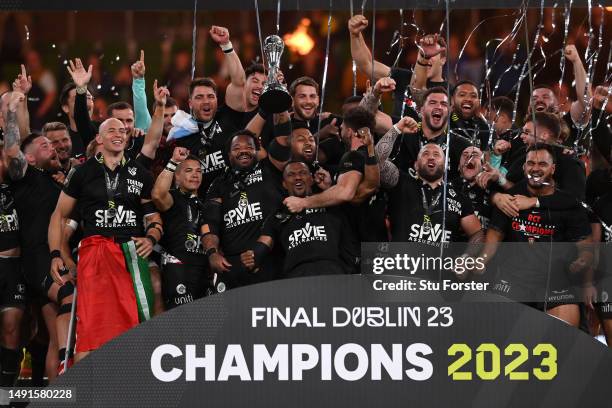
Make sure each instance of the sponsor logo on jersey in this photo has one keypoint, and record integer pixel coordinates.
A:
(122, 218)
(453, 205)
(308, 233)
(9, 222)
(502, 286)
(132, 171)
(429, 234)
(561, 295)
(212, 162)
(243, 214)
(255, 177)
(134, 186)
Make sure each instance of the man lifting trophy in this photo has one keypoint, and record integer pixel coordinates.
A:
(275, 98)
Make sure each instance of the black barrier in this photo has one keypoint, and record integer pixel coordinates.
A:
(346, 345)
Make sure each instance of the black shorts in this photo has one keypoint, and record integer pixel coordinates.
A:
(183, 283)
(36, 264)
(534, 294)
(316, 268)
(12, 284)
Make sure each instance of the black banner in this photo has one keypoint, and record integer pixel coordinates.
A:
(336, 341)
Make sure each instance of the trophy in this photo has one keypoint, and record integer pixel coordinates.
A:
(274, 98)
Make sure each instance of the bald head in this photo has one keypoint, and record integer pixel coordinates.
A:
(430, 162)
(112, 136)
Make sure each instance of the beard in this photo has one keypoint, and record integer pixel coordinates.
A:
(430, 174)
(435, 128)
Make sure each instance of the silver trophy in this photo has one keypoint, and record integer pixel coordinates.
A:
(274, 98)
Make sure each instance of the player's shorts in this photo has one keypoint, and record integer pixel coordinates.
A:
(182, 283)
(12, 283)
(36, 264)
(559, 292)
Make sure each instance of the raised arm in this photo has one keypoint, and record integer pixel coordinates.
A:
(360, 52)
(579, 108)
(371, 177)
(23, 84)
(142, 116)
(371, 101)
(161, 190)
(389, 173)
(234, 95)
(14, 158)
(427, 49)
(81, 79)
(154, 134)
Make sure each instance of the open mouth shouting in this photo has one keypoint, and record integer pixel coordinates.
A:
(540, 106)
(436, 117)
(244, 158)
(467, 108)
(256, 94)
(308, 152)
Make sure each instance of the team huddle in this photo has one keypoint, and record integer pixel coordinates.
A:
(120, 220)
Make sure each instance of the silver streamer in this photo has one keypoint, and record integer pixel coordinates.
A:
(263, 60)
(567, 15)
(527, 63)
(278, 7)
(354, 64)
(194, 37)
(324, 81)
(448, 139)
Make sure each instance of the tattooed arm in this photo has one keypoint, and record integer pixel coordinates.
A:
(389, 173)
(14, 158)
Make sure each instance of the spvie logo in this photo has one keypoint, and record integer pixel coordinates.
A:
(112, 219)
(307, 233)
(243, 214)
(427, 233)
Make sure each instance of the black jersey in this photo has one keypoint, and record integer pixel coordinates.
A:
(248, 198)
(208, 145)
(310, 236)
(603, 210)
(9, 221)
(407, 147)
(533, 263)
(109, 202)
(475, 129)
(570, 173)
(231, 120)
(182, 224)
(542, 224)
(134, 146)
(36, 196)
(479, 198)
(366, 220)
(416, 212)
(598, 184)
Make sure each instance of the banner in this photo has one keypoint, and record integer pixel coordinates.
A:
(336, 341)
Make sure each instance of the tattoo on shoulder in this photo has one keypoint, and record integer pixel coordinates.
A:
(17, 167)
